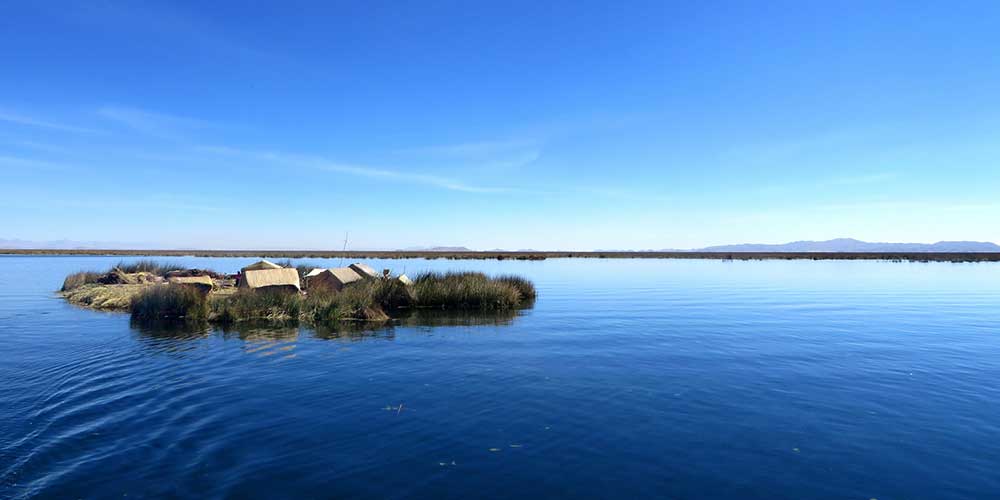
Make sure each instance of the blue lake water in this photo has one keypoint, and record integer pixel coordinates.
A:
(628, 378)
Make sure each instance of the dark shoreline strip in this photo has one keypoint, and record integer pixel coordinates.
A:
(300, 254)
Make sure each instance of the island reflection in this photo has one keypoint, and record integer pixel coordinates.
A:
(171, 336)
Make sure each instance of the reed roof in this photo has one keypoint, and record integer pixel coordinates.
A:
(364, 270)
(261, 264)
(282, 276)
(192, 280)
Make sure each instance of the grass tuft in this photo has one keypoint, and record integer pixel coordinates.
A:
(352, 303)
(523, 285)
(247, 305)
(360, 302)
(168, 302)
(465, 290)
(76, 280)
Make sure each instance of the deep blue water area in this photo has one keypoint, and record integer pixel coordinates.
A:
(628, 378)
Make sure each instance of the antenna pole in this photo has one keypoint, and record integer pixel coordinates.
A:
(342, 252)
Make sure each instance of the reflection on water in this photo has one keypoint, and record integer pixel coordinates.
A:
(261, 331)
(354, 331)
(171, 335)
(435, 318)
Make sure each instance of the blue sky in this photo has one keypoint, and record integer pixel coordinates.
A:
(546, 125)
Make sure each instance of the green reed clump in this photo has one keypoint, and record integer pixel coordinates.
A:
(367, 300)
(79, 279)
(149, 266)
(250, 305)
(168, 302)
(465, 290)
(391, 294)
(523, 285)
(355, 302)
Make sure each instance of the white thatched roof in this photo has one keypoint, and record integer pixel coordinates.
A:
(283, 276)
(262, 264)
(364, 270)
(315, 272)
(404, 279)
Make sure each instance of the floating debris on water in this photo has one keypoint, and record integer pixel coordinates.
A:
(494, 450)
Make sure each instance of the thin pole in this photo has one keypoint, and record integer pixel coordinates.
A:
(342, 252)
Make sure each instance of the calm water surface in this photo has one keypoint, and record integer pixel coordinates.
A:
(651, 378)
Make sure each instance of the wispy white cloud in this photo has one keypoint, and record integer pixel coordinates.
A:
(940, 206)
(30, 163)
(473, 149)
(872, 178)
(481, 156)
(624, 194)
(319, 163)
(39, 146)
(31, 121)
(322, 164)
(514, 161)
(153, 123)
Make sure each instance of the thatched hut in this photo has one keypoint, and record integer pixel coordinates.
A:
(365, 271)
(333, 280)
(280, 279)
(203, 284)
(307, 279)
(261, 265)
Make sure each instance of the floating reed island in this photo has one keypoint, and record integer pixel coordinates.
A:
(269, 291)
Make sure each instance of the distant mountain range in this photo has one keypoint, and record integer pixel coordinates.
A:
(857, 246)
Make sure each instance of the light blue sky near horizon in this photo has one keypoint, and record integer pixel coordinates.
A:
(545, 125)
